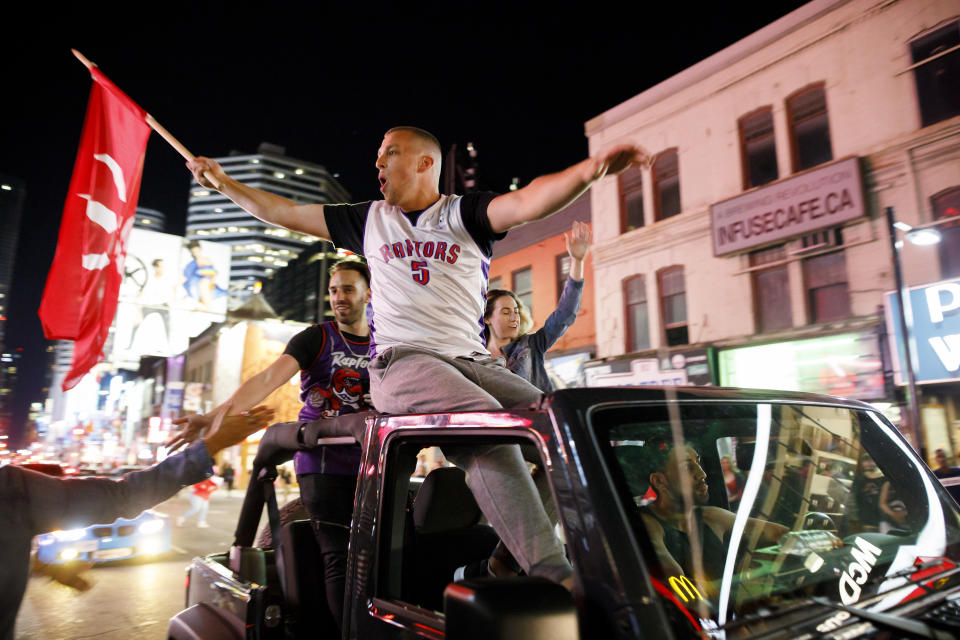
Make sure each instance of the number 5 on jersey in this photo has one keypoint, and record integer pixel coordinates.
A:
(421, 275)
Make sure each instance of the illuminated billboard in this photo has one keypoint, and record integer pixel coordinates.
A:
(172, 290)
(847, 365)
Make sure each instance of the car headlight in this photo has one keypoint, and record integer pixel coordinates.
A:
(152, 526)
(69, 535)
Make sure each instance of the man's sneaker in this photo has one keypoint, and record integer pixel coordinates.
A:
(202, 525)
(478, 569)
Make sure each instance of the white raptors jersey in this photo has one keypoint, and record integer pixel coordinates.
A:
(429, 279)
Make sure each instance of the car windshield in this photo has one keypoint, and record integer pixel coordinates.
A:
(741, 506)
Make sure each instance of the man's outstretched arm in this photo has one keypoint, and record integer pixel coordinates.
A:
(551, 193)
(250, 393)
(277, 210)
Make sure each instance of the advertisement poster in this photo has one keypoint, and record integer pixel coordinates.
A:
(172, 290)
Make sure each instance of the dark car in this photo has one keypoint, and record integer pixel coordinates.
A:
(837, 568)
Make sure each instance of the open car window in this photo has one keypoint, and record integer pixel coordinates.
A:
(741, 506)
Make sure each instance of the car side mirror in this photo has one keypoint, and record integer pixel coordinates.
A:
(510, 608)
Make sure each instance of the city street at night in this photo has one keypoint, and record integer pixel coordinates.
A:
(130, 599)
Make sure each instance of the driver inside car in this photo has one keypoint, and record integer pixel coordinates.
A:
(670, 518)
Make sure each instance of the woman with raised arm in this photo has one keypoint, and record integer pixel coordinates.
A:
(507, 322)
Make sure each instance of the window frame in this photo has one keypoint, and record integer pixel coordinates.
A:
(516, 289)
(761, 268)
(747, 180)
(624, 180)
(655, 179)
(792, 123)
(917, 67)
(808, 291)
(629, 339)
(562, 263)
(664, 326)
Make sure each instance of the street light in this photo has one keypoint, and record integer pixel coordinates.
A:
(921, 237)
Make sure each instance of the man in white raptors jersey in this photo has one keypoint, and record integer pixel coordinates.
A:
(429, 255)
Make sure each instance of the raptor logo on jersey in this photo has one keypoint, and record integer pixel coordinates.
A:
(345, 391)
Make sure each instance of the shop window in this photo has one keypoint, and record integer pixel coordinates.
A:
(666, 184)
(946, 208)
(758, 148)
(563, 271)
(771, 289)
(523, 287)
(828, 296)
(635, 312)
(809, 128)
(673, 305)
(631, 199)
(937, 73)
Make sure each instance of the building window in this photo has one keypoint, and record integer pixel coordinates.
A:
(771, 289)
(495, 283)
(946, 207)
(631, 199)
(563, 272)
(635, 311)
(828, 297)
(666, 184)
(809, 128)
(523, 287)
(937, 74)
(673, 305)
(758, 149)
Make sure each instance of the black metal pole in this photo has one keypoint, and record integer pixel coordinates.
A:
(913, 411)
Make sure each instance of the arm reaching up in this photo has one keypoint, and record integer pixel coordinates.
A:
(551, 193)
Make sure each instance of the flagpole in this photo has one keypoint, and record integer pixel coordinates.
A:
(159, 128)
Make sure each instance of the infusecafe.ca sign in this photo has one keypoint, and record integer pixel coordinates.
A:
(820, 198)
(934, 315)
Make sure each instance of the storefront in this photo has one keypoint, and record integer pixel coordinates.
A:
(933, 316)
(679, 367)
(845, 364)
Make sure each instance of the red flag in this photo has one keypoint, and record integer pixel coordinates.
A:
(80, 299)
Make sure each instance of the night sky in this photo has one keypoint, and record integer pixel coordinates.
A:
(518, 84)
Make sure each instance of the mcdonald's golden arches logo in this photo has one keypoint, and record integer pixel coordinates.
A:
(683, 587)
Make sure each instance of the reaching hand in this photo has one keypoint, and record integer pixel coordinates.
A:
(578, 240)
(207, 172)
(233, 429)
(196, 425)
(618, 158)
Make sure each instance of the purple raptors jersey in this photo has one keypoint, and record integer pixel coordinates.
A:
(333, 380)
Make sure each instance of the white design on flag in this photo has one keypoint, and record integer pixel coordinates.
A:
(99, 214)
(117, 174)
(95, 261)
(107, 218)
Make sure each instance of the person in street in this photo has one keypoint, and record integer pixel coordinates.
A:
(506, 321)
(228, 475)
(944, 471)
(199, 503)
(32, 503)
(332, 359)
(734, 481)
(863, 504)
(429, 255)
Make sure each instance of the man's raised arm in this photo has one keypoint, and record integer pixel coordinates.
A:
(551, 193)
(277, 210)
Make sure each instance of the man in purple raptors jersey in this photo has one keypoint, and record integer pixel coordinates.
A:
(332, 359)
(429, 254)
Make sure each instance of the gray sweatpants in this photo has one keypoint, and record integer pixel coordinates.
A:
(411, 380)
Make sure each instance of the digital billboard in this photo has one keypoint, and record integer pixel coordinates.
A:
(172, 290)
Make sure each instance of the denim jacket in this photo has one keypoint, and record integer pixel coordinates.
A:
(32, 503)
(525, 355)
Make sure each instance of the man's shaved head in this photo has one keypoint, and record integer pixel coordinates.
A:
(424, 136)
